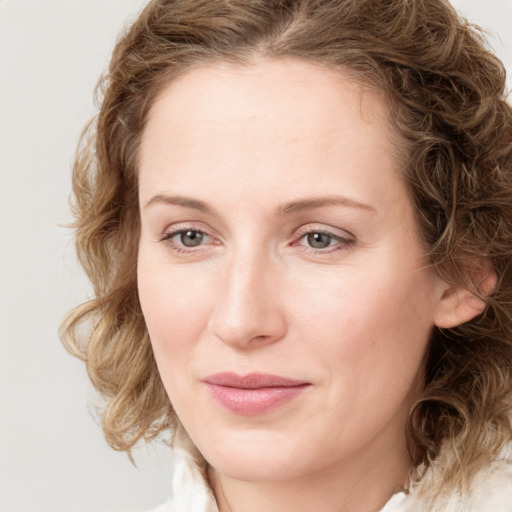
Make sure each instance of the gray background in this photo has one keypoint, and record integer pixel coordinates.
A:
(52, 454)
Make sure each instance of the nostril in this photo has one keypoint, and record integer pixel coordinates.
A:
(260, 338)
(246, 313)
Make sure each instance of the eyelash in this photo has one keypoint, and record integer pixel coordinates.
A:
(168, 240)
(340, 242)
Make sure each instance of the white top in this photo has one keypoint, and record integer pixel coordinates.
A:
(190, 493)
(490, 489)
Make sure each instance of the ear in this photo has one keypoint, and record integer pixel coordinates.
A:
(459, 305)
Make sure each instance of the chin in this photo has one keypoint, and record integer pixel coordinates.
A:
(248, 457)
(271, 468)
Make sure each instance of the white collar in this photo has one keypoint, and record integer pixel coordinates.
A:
(490, 491)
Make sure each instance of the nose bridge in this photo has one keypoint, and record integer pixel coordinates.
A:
(248, 309)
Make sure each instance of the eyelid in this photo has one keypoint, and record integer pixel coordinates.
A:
(344, 239)
(182, 227)
(326, 230)
(177, 227)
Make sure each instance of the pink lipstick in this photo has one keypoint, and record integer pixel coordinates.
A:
(253, 394)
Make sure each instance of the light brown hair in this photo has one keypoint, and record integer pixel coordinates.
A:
(447, 104)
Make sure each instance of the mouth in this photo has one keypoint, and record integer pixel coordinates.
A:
(253, 394)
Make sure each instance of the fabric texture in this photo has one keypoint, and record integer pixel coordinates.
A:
(490, 491)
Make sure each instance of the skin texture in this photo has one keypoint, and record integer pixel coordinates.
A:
(352, 319)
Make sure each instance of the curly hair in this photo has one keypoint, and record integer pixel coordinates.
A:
(446, 93)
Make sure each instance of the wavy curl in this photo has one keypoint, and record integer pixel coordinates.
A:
(446, 93)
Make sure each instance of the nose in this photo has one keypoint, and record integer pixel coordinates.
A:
(248, 312)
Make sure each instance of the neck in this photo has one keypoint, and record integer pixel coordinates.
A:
(359, 484)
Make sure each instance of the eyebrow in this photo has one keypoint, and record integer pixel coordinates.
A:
(187, 202)
(286, 209)
(318, 202)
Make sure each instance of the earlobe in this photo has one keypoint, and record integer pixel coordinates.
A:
(459, 305)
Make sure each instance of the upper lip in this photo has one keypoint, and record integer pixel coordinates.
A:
(252, 380)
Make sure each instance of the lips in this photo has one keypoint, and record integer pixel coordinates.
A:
(253, 394)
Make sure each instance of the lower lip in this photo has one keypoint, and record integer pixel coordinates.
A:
(250, 402)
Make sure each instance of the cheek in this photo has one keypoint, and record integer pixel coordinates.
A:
(372, 325)
(175, 308)
(368, 337)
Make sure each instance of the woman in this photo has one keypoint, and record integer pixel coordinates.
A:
(297, 218)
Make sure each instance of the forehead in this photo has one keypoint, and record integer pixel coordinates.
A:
(268, 124)
(215, 90)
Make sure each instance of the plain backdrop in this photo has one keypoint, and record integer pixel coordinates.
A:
(52, 454)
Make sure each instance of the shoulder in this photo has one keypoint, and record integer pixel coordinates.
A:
(489, 490)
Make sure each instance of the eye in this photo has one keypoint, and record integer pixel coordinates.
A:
(319, 240)
(323, 242)
(190, 238)
(187, 240)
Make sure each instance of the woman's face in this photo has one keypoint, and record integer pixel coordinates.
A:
(284, 287)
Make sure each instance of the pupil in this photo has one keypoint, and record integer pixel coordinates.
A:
(191, 238)
(319, 240)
